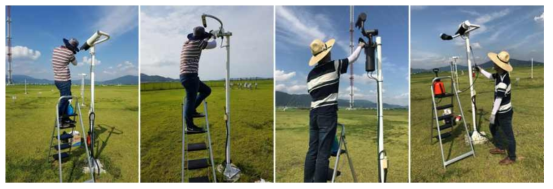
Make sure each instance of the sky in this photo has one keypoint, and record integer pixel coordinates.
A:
(163, 30)
(37, 30)
(297, 26)
(516, 29)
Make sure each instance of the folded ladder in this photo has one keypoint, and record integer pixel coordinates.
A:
(342, 142)
(448, 119)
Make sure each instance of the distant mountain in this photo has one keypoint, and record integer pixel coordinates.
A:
(304, 101)
(488, 64)
(155, 78)
(125, 80)
(20, 79)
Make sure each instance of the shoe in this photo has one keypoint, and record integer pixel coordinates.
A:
(497, 151)
(195, 129)
(196, 114)
(507, 161)
(66, 125)
(69, 121)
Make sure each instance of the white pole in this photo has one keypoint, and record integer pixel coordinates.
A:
(82, 88)
(227, 98)
(472, 92)
(532, 69)
(92, 78)
(381, 154)
(25, 86)
(351, 96)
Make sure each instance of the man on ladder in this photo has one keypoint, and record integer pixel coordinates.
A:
(190, 57)
(323, 84)
(61, 57)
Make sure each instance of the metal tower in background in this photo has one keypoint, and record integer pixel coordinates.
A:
(9, 41)
(351, 100)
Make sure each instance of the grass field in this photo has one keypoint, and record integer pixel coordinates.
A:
(292, 135)
(528, 125)
(251, 141)
(29, 124)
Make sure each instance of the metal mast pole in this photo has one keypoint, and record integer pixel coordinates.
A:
(381, 153)
(532, 69)
(351, 100)
(472, 91)
(9, 40)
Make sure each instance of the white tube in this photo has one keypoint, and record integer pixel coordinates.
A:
(472, 92)
(381, 155)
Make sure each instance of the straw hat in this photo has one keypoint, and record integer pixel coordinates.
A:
(501, 60)
(72, 44)
(320, 50)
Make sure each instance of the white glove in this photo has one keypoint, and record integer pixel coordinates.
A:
(492, 119)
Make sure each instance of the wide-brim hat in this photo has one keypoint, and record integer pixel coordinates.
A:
(501, 60)
(319, 49)
(198, 34)
(72, 44)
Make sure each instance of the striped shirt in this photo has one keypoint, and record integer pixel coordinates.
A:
(61, 58)
(190, 56)
(503, 90)
(323, 83)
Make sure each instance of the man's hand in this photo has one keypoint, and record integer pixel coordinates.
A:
(492, 119)
(361, 42)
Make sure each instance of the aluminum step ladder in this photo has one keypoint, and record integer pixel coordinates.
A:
(338, 154)
(63, 144)
(448, 119)
(187, 148)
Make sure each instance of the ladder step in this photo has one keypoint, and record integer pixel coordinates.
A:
(330, 172)
(63, 156)
(196, 147)
(199, 179)
(62, 146)
(444, 107)
(341, 152)
(67, 126)
(444, 95)
(195, 132)
(64, 136)
(197, 164)
(442, 127)
(445, 135)
(448, 116)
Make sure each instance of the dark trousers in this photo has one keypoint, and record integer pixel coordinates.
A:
(192, 84)
(65, 90)
(322, 130)
(504, 123)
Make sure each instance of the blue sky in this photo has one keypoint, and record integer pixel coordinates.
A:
(297, 26)
(37, 30)
(516, 29)
(163, 30)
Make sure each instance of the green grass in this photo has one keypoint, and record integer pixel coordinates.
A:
(29, 124)
(292, 135)
(527, 100)
(251, 141)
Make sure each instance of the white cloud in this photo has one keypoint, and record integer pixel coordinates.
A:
(163, 31)
(540, 18)
(117, 20)
(24, 53)
(281, 75)
(88, 61)
(301, 27)
(297, 89)
(124, 68)
(476, 45)
(280, 87)
(483, 19)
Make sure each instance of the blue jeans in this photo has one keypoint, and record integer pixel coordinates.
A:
(322, 130)
(192, 84)
(65, 90)
(504, 123)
